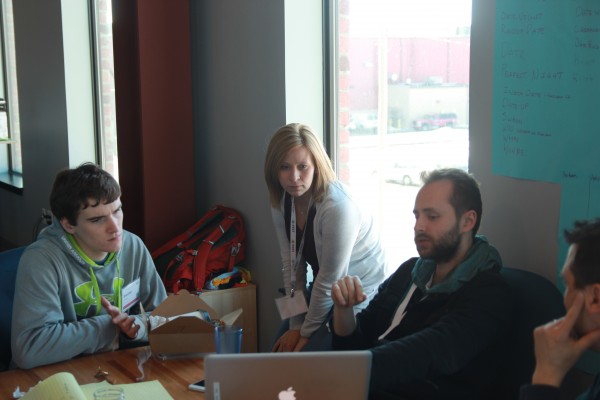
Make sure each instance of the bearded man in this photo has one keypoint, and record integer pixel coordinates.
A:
(437, 326)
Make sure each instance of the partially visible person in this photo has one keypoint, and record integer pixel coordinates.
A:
(436, 327)
(560, 343)
(318, 223)
(74, 281)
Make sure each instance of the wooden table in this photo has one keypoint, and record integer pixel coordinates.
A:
(122, 367)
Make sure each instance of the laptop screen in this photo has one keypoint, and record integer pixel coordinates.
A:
(288, 376)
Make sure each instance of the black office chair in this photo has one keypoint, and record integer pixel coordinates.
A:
(9, 260)
(538, 301)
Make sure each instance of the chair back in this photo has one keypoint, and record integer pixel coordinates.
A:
(538, 301)
(9, 261)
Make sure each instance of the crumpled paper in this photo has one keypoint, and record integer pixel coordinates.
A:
(157, 320)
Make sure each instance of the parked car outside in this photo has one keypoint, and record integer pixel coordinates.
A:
(366, 123)
(434, 121)
(403, 174)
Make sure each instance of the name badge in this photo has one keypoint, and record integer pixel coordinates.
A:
(290, 306)
(130, 294)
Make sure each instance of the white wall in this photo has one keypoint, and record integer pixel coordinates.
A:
(304, 66)
(78, 81)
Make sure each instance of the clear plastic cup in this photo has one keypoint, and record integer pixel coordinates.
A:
(228, 339)
(109, 394)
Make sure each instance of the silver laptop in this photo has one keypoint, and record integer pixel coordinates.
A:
(323, 375)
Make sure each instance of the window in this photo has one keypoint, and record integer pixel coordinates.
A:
(106, 146)
(401, 103)
(10, 137)
(105, 86)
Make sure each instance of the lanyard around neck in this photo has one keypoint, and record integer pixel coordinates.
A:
(294, 259)
(97, 293)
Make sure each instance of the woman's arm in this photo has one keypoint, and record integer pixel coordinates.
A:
(336, 227)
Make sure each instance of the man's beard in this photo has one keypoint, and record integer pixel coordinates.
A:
(445, 248)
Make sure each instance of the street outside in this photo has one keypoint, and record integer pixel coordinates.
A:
(375, 184)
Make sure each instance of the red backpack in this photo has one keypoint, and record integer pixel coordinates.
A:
(210, 247)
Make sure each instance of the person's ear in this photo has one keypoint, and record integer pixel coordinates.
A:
(592, 298)
(66, 225)
(469, 218)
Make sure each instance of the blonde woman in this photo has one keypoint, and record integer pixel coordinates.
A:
(318, 224)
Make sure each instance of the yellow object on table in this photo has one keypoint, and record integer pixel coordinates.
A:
(63, 386)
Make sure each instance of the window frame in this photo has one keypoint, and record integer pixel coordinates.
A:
(11, 177)
(330, 79)
(97, 85)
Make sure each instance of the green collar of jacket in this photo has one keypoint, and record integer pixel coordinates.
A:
(481, 256)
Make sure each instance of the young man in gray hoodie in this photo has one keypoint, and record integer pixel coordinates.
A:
(82, 284)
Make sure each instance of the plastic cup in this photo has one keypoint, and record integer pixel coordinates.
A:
(109, 394)
(228, 339)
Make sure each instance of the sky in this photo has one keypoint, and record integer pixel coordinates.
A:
(399, 18)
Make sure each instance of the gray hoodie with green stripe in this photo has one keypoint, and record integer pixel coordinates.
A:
(56, 312)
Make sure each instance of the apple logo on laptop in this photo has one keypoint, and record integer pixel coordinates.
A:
(288, 394)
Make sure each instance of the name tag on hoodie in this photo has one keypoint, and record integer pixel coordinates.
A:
(131, 294)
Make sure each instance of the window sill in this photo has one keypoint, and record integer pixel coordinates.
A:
(11, 182)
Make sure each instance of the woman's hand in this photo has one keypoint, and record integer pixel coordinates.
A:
(291, 340)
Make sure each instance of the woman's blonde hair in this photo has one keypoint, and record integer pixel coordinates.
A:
(285, 139)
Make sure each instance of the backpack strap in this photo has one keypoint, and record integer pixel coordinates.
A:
(201, 256)
(174, 242)
(175, 272)
(179, 240)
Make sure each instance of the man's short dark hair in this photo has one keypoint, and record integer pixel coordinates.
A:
(586, 265)
(465, 194)
(76, 189)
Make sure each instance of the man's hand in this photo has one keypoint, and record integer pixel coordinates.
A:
(290, 341)
(348, 292)
(124, 321)
(557, 348)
